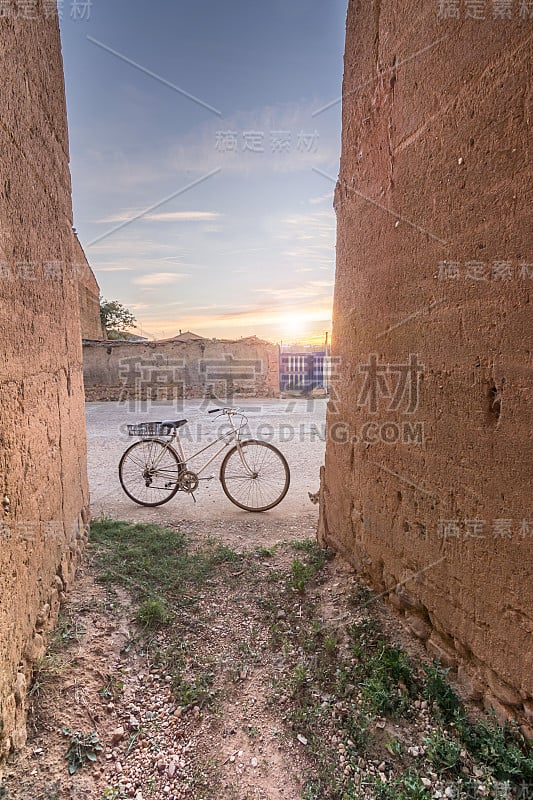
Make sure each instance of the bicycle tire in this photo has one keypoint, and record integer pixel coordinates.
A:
(139, 483)
(269, 471)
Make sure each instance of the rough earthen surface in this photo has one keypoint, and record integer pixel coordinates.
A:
(43, 482)
(88, 295)
(173, 370)
(434, 282)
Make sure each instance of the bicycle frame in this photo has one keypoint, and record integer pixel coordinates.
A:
(228, 438)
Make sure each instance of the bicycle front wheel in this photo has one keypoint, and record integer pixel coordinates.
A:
(149, 472)
(255, 476)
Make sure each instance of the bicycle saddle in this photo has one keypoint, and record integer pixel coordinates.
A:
(174, 423)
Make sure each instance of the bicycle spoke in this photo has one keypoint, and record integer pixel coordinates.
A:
(255, 476)
(149, 472)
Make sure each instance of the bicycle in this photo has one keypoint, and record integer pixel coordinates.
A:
(254, 474)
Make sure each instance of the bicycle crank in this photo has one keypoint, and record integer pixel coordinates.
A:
(188, 481)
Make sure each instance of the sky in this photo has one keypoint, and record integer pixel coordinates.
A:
(198, 134)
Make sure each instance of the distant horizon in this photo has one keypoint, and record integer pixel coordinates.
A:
(316, 340)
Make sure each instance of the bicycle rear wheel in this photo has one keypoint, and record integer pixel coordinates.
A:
(149, 471)
(255, 475)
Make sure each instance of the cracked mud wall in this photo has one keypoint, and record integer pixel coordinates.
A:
(427, 486)
(43, 483)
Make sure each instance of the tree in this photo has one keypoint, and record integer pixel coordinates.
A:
(115, 317)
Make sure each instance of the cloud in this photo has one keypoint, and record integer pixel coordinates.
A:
(309, 240)
(158, 278)
(299, 294)
(113, 268)
(169, 216)
(315, 201)
(184, 216)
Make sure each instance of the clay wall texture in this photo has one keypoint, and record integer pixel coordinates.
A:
(43, 480)
(427, 481)
(209, 368)
(88, 295)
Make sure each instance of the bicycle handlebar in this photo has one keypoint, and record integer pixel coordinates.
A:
(214, 410)
(226, 410)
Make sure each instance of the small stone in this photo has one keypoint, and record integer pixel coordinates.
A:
(460, 161)
(281, 614)
(117, 735)
(301, 739)
(426, 782)
(171, 769)
(118, 768)
(382, 766)
(253, 761)
(134, 723)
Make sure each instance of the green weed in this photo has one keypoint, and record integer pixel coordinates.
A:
(83, 748)
(153, 613)
(443, 753)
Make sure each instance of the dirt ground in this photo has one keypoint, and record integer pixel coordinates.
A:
(240, 744)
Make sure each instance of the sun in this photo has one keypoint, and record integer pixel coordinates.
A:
(294, 326)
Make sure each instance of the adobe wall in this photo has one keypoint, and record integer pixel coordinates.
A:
(88, 295)
(43, 485)
(427, 481)
(210, 368)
